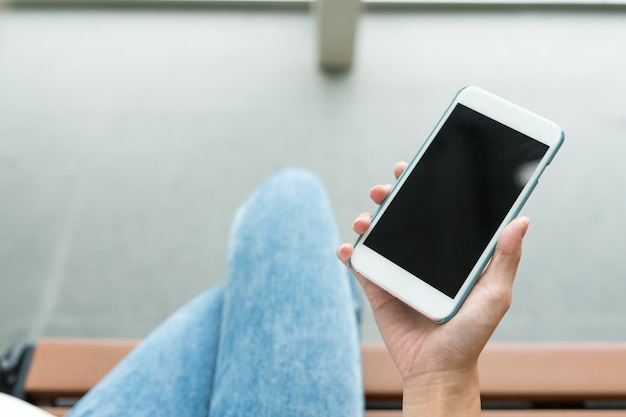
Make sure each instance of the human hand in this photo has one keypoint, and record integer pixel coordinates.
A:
(438, 362)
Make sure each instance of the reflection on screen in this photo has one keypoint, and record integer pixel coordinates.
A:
(452, 203)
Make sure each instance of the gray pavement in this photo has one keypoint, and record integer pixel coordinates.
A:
(128, 138)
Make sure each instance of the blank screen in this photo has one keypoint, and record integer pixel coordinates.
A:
(442, 219)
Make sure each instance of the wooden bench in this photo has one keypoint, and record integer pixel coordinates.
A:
(517, 380)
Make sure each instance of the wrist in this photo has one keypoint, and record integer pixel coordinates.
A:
(446, 393)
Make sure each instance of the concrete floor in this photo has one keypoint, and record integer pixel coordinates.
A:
(128, 138)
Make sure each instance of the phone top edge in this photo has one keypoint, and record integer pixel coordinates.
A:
(473, 94)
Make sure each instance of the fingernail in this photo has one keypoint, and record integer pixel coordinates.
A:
(361, 217)
(526, 224)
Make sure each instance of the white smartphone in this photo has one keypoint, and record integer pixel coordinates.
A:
(436, 231)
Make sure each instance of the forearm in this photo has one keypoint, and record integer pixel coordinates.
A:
(450, 394)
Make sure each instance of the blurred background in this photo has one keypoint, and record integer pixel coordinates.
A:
(131, 131)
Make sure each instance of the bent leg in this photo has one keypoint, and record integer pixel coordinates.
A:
(289, 343)
(170, 373)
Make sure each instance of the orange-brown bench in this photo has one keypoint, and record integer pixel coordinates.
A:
(517, 380)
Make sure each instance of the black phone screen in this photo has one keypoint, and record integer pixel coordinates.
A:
(451, 204)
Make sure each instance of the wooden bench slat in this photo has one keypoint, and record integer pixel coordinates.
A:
(383, 413)
(553, 371)
(381, 379)
(519, 413)
(60, 412)
(509, 372)
(70, 367)
(526, 372)
(553, 413)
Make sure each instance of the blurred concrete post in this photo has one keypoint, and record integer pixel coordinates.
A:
(336, 32)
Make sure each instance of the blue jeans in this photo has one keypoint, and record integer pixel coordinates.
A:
(278, 338)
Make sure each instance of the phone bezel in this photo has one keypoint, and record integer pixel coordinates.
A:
(411, 289)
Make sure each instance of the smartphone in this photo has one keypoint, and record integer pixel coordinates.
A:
(435, 232)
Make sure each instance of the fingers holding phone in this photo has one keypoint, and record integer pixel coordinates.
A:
(378, 194)
(417, 344)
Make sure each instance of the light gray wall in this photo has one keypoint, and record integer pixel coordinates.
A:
(128, 138)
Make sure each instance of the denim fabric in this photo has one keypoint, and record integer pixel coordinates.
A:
(277, 338)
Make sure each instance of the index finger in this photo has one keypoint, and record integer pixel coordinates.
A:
(399, 168)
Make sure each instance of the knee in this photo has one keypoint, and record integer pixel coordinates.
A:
(295, 175)
(295, 183)
(291, 198)
(291, 195)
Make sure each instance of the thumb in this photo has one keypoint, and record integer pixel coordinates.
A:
(497, 281)
(508, 251)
